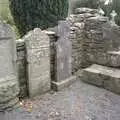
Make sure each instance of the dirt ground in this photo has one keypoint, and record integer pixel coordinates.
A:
(78, 102)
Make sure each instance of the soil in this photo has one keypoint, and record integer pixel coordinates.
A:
(78, 102)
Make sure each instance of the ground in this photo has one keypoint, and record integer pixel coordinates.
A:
(78, 102)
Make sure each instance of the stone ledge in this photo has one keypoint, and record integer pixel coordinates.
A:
(105, 77)
(57, 86)
(85, 10)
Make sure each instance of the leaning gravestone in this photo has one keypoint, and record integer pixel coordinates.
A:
(38, 58)
(63, 59)
(9, 88)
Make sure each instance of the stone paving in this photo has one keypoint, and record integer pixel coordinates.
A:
(78, 102)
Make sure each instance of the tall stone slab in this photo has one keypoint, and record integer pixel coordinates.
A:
(38, 62)
(9, 88)
(63, 60)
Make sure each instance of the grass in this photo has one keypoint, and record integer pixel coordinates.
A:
(4, 9)
(6, 16)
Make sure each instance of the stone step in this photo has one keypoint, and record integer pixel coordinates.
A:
(102, 76)
(114, 58)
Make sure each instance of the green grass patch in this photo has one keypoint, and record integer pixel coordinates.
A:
(6, 17)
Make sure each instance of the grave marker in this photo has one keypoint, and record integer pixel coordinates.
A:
(38, 58)
(63, 62)
(113, 15)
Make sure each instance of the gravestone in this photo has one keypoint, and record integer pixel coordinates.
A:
(38, 62)
(9, 88)
(113, 15)
(63, 58)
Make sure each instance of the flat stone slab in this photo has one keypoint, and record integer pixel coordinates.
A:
(85, 10)
(102, 76)
(57, 86)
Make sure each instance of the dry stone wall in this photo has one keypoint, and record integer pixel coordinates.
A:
(87, 36)
(100, 49)
(94, 44)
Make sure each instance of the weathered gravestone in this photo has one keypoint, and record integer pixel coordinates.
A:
(9, 88)
(113, 15)
(63, 60)
(38, 58)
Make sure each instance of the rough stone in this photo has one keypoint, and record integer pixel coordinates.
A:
(9, 88)
(86, 34)
(111, 35)
(85, 10)
(102, 76)
(21, 62)
(63, 59)
(57, 86)
(38, 59)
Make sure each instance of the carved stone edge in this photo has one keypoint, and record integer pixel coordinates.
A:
(57, 86)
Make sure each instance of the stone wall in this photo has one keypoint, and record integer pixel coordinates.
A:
(93, 37)
(96, 48)
(78, 37)
(87, 37)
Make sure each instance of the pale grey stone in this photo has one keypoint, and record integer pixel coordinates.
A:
(38, 59)
(106, 77)
(114, 58)
(57, 86)
(111, 35)
(9, 88)
(63, 52)
(85, 10)
(63, 58)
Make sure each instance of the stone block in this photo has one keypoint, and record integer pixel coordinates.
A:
(92, 76)
(106, 77)
(85, 10)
